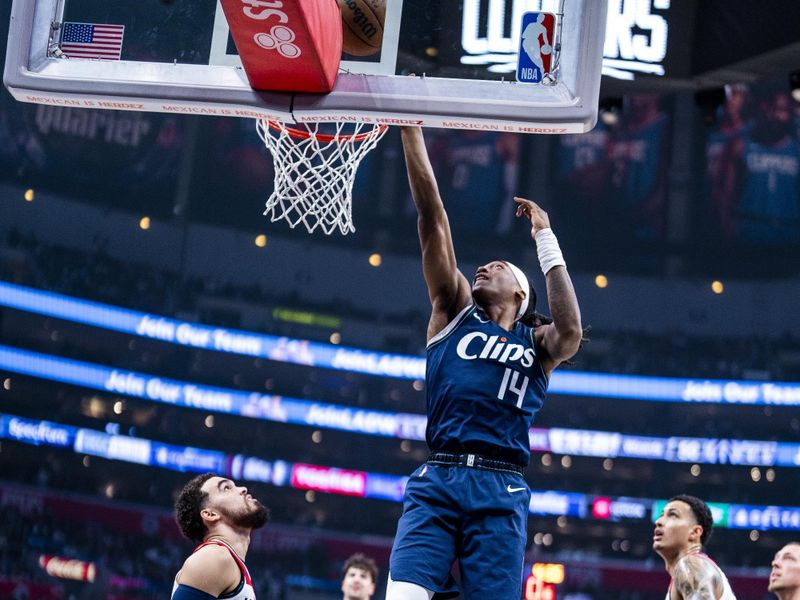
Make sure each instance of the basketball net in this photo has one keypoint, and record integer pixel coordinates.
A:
(314, 171)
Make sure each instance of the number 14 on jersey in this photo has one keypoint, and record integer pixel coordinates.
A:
(509, 384)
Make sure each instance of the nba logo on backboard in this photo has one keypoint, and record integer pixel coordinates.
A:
(535, 55)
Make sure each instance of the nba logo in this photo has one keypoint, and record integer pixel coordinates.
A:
(535, 55)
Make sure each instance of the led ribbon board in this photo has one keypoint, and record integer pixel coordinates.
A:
(329, 356)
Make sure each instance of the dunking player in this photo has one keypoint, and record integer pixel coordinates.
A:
(784, 579)
(680, 534)
(359, 576)
(218, 515)
(487, 372)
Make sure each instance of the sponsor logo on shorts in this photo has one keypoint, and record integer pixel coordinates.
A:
(511, 490)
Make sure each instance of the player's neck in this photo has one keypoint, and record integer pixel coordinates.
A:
(238, 539)
(793, 594)
(673, 558)
(501, 314)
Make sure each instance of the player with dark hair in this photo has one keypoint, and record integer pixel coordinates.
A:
(359, 577)
(218, 515)
(784, 579)
(682, 531)
(487, 371)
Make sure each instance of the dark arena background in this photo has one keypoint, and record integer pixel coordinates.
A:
(154, 325)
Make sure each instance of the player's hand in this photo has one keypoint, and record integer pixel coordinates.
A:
(531, 210)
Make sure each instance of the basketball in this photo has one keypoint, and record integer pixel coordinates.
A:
(362, 26)
(546, 49)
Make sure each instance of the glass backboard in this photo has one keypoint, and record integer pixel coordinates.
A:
(441, 63)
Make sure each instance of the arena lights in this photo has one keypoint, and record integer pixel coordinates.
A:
(610, 109)
(29, 195)
(375, 260)
(144, 223)
(548, 572)
(348, 482)
(295, 351)
(794, 85)
(261, 240)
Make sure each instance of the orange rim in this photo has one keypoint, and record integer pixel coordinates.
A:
(324, 137)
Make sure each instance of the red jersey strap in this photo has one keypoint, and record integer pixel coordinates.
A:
(239, 561)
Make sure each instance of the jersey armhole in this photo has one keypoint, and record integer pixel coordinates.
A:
(450, 327)
(532, 333)
(243, 575)
(238, 588)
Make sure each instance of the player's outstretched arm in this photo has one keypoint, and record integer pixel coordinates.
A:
(559, 340)
(211, 570)
(448, 289)
(695, 578)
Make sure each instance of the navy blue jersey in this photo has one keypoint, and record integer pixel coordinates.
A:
(484, 387)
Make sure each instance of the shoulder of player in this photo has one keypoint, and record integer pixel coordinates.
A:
(211, 569)
(695, 572)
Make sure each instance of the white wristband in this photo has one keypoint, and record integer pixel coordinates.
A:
(548, 250)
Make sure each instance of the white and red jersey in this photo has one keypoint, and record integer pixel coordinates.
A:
(727, 592)
(244, 591)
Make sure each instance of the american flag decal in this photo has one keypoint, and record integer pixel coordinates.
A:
(91, 40)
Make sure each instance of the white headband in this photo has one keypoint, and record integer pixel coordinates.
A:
(523, 283)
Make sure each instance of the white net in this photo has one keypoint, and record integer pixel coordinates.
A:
(314, 171)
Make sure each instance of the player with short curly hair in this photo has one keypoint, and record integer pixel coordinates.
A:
(218, 515)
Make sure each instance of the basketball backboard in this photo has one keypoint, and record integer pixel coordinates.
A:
(177, 56)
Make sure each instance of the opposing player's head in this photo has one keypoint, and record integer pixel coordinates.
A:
(784, 579)
(502, 283)
(209, 503)
(685, 521)
(359, 577)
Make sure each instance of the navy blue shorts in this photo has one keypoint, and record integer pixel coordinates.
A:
(476, 516)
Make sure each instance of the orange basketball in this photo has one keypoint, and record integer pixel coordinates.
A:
(362, 26)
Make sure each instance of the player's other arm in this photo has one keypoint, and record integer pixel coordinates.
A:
(448, 289)
(559, 340)
(211, 570)
(695, 578)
